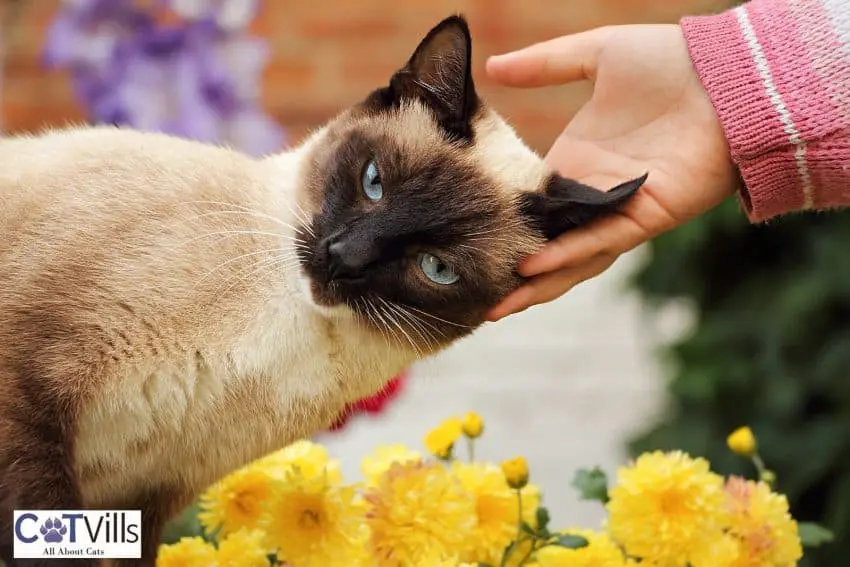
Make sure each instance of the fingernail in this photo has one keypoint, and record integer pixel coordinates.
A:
(500, 58)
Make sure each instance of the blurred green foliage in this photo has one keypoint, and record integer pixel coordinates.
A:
(185, 525)
(770, 348)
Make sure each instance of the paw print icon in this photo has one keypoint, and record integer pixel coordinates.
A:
(53, 530)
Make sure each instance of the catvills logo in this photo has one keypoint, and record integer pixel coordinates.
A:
(72, 534)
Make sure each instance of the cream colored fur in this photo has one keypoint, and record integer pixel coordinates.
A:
(177, 262)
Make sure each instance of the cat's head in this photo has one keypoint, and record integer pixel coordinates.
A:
(423, 201)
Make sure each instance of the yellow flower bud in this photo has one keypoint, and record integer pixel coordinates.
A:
(742, 442)
(516, 472)
(473, 425)
(439, 441)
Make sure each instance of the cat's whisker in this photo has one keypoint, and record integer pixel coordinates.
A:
(244, 209)
(366, 308)
(303, 221)
(400, 327)
(426, 337)
(422, 326)
(379, 312)
(303, 218)
(440, 332)
(236, 259)
(295, 244)
(284, 262)
(446, 321)
(220, 213)
(230, 283)
(257, 274)
(231, 233)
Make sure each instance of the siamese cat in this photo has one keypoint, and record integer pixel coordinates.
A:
(171, 310)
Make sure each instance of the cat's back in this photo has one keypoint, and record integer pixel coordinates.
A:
(101, 228)
(79, 175)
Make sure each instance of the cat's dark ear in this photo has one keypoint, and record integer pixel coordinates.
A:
(565, 204)
(439, 73)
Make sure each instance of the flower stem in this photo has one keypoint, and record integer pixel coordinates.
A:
(519, 509)
(758, 463)
(765, 475)
(470, 447)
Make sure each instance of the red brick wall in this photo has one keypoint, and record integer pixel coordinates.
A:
(329, 53)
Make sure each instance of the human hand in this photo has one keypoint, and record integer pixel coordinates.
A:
(648, 113)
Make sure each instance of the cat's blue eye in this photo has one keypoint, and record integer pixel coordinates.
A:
(436, 270)
(372, 182)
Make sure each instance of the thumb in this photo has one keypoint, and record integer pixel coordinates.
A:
(557, 61)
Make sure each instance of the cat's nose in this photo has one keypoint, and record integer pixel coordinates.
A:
(347, 259)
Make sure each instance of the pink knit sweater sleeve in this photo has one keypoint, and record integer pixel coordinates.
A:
(778, 74)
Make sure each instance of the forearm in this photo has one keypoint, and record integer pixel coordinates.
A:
(778, 74)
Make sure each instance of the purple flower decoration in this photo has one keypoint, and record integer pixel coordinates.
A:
(198, 79)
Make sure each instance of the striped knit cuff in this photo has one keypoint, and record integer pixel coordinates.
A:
(736, 63)
(771, 185)
(725, 65)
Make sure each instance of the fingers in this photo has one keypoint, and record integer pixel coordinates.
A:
(545, 288)
(611, 236)
(557, 61)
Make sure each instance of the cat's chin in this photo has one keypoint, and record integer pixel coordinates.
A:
(321, 299)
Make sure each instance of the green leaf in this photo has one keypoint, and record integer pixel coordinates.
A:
(528, 529)
(814, 535)
(570, 541)
(543, 521)
(592, 484)
(185, 525)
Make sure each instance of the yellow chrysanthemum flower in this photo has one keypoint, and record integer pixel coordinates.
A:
(376, 464)
(419, 514)
(309, 459)
(666, 507)
(516, 472)
(473, 425)
(742, 441)
(312, 523)
(600, 551)
(497, 510)
(243, 548)
(236, 501)
(453, 562)
(723, 552)
(760, 524)
(188, 552)
(440, 440)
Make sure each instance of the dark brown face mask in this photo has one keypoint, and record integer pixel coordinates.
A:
(437, 234)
